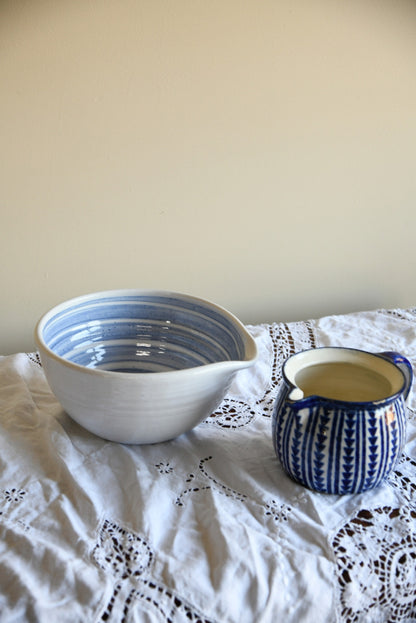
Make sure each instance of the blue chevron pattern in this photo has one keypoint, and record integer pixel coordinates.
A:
(295, 455)
(340, 449)
(319, 453)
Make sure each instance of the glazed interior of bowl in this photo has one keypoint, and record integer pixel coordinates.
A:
(130, 331)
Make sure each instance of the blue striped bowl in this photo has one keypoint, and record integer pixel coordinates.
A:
(342, 445)
(139, 366)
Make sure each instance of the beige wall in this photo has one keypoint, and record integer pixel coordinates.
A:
(260, 154)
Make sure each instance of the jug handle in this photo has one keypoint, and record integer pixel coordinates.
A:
(404, 365)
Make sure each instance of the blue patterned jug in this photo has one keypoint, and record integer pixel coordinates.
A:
(339, 420)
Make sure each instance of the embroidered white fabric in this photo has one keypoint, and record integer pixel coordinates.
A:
(205, 528)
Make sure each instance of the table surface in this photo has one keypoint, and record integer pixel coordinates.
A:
(207, 527)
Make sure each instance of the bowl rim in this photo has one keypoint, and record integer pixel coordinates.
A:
(251, 349)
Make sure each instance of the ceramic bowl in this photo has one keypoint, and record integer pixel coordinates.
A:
(140, 366)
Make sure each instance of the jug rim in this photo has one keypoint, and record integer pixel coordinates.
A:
(296, 396)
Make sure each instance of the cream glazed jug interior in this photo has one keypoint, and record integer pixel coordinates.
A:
(344, 375)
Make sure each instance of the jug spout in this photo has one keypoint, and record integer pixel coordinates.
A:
(296, 394)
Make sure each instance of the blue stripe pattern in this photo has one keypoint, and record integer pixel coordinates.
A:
(150, 332)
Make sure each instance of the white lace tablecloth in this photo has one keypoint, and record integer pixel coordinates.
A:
(205, 528)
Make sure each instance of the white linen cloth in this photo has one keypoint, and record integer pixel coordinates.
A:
(206, 527)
